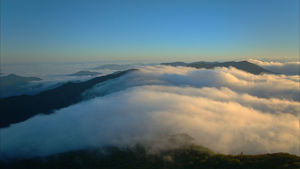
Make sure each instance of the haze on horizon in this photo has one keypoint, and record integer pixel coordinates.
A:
(148, 31)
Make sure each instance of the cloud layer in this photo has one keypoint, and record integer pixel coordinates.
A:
(287, 68)
(265, 86)
(226, 110)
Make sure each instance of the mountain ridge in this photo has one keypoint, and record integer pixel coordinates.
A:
(13, 79)
(241, 65)
(12, 108)
(85, 73)
(137, 157)
(70, 93)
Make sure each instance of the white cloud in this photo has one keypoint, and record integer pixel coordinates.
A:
(226, 110)
(288, 68)
(266, 85)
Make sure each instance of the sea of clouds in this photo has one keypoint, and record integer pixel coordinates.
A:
(224, 109)
(287, 68)
(52, 75)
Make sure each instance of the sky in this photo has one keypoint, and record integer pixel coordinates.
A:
(42, 31)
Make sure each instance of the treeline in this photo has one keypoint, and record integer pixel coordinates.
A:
(190, 157)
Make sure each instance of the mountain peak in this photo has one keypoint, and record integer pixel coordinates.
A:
(241, 65)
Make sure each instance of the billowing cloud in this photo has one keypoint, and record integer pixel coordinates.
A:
(266, 85)
(288, 68)
(226, 110)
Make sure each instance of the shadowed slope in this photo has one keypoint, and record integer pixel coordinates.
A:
(19, 108)
(137, 157)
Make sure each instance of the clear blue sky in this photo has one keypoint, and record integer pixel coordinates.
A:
(153, 30)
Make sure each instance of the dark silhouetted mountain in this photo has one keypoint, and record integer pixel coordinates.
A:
(85, 73)
(175, 64)
(242, 65)
(19, 108)
(113, 67)
(188, 157)
(12, 84)
(15, 80)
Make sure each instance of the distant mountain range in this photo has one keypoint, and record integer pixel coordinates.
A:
(15, 80)
(85, 73)
(242, 65)
(15, 84)
(19, 108)
(113, 67)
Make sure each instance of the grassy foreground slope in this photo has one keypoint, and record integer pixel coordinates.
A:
(137, 158)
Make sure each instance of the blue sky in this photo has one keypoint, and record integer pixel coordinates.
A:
(154, 30)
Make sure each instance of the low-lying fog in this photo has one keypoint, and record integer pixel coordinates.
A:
(224, 109)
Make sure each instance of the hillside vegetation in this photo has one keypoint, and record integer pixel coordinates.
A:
(138, 158)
